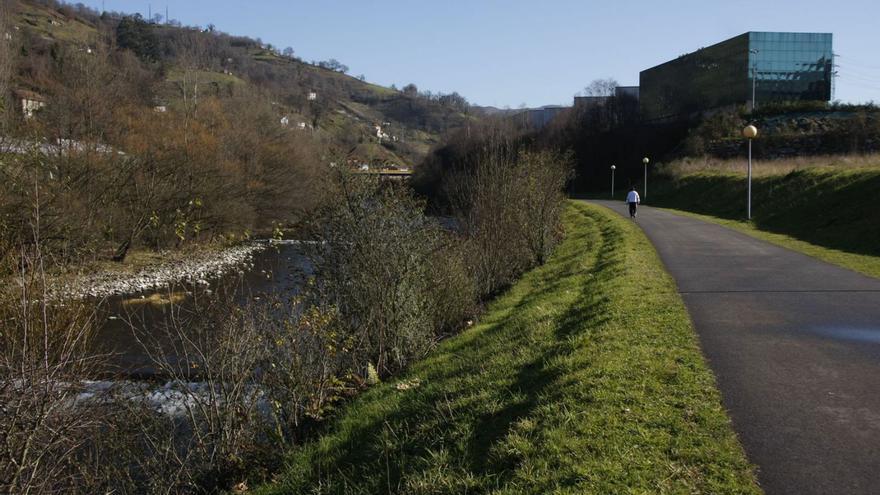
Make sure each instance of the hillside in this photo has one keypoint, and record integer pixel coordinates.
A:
(363, 121)
(141, 135)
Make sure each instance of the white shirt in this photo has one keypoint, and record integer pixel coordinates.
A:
(633, 197)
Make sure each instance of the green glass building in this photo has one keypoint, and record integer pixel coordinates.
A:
(782, 66)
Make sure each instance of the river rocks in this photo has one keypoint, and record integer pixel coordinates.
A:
(197, 270)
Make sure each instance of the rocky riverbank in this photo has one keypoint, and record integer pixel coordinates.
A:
(198, 268)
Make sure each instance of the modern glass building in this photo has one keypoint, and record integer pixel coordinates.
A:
(783, 67)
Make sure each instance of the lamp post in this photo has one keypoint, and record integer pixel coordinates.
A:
(749, 133)
(754, 51)
(612, 181)
(645, 163)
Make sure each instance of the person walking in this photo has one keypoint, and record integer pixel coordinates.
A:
(633, 200)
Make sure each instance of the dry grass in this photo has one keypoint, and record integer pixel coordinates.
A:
(70, 30)
(765, 168)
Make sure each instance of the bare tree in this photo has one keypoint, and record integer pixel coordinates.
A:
(601, 87)
(6, 53)
(44, 355)
(411, 90)
(372, 261)
(546, 174)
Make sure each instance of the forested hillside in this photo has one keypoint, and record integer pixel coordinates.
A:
(146, 132)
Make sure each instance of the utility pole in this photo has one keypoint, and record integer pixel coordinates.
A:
(834, 74)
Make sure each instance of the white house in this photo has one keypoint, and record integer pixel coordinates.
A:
(313, 96)
(30, 102)
(285, 121)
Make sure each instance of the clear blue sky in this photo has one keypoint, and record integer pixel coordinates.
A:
(513, 52)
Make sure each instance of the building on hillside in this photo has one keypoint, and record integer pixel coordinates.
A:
(779, 66)
(312, 96)
(30, 102)
(380, 133)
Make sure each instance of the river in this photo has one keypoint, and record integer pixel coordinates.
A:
(275, 272)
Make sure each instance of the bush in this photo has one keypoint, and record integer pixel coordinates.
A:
(510, 206)
(375, 263)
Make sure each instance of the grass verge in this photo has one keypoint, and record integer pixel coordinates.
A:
(585, 377)
(825, 212)
(862, 263)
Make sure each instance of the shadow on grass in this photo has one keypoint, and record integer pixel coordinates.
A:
(476, 387)
(538, 379)
(833, 209)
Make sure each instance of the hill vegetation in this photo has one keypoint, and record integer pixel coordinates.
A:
(218, 61)
(147, 134)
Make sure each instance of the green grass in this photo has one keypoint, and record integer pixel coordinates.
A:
(828, 213)
(38, 19)
(585, 377)
(176, 75)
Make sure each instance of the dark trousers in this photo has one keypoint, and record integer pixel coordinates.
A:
(632, 209)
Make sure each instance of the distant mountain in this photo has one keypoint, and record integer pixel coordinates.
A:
(491, 111)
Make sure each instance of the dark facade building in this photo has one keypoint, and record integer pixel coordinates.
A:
(783, 66)
(538, 118)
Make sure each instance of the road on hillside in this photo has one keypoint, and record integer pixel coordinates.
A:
(795, 345)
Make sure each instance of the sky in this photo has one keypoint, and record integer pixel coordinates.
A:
(533, 53)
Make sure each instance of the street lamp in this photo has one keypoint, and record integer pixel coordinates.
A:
(754, 51)
(750, 132)
(645, 162)
(612, 181)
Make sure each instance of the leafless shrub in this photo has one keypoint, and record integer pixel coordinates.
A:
(7, 45)
(238, 383)
(372, 263)
(510, 202)
(545, 174)
(44, 356)
(453, 286)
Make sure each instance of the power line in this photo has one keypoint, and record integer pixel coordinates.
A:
(857, 77)
(856, 62)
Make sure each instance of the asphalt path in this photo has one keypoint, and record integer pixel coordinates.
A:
(795, 345)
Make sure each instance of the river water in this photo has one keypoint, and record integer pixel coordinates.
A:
(275, 272)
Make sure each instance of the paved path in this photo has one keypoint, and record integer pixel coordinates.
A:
(795, 345)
